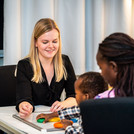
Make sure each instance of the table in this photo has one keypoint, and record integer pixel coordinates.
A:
(11, 125)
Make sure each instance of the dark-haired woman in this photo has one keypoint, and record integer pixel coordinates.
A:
(115, 58)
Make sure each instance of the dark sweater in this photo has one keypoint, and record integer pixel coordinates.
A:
(42, 93)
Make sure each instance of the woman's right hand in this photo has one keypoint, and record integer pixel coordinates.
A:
(25, 109)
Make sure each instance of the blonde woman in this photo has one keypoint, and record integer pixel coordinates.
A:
(45, 72)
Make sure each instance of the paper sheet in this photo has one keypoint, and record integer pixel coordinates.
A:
(31, 121)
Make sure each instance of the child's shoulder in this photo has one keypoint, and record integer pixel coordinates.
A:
(106, 94)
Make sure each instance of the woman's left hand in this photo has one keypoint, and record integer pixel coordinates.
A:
(57, 105)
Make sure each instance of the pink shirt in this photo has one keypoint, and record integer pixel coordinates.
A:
(106, 94)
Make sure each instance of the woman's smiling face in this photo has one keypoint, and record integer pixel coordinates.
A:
(48, 44)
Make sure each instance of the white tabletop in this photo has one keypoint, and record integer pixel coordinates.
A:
(7, 121)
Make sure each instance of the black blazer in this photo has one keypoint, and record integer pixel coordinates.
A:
(42, 93)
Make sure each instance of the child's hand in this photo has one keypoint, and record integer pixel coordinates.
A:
(47, 117)
(25, 109)
(66, 123)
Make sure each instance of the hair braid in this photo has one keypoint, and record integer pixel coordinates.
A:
(119, 47)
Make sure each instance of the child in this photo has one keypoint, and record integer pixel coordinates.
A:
(87, 86)
(115, 58)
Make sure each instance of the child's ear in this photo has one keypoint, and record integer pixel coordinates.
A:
(113, 65)
(86, 96)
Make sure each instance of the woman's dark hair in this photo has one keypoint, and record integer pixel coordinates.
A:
(92, 83)
(119, 47)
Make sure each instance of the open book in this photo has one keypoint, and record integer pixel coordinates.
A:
(31, 121)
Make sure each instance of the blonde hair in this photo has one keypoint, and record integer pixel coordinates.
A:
(41, 27)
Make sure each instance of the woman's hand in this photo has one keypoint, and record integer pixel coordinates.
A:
(25, 109)
(66, 123)
(57, 105)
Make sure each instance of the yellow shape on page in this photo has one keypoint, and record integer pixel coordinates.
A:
(54, 119)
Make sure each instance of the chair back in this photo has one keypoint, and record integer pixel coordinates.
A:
(7, 85)
(108, 116)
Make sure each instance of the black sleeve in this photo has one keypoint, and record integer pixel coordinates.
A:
(23, 88)
(69, 83)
